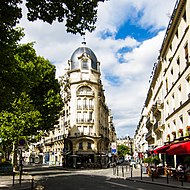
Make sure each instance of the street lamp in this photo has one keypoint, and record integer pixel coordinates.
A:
(0, 149)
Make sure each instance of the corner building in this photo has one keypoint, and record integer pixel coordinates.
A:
(86, 119)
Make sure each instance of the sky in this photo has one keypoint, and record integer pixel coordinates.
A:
(126, 42)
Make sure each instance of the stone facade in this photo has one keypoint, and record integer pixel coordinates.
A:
(85, 131)
(166, 112)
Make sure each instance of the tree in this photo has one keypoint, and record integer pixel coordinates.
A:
(22, 120)
(123, 150)
(41, 85)
(79, 15)
(36, 104)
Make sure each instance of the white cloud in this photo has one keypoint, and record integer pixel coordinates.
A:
(127, 97)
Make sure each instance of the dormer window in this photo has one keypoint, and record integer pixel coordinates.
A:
(84, 65)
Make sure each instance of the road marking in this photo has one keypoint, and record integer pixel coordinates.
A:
(122, 185)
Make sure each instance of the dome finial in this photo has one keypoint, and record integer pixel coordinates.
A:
(84, 40)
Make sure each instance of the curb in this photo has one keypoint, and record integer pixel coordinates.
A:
(157, 183)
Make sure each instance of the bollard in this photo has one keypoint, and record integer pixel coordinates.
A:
(20, 177)
(182, 177)
(141, 171)
(32, 183)
(122, 171)
(114, 170)
(167, 177)
(131, 171)
(13, 178)
(152, 176)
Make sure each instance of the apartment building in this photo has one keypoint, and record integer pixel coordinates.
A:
(166, 112)
(85, 131)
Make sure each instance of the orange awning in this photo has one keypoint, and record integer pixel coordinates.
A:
(181, 148)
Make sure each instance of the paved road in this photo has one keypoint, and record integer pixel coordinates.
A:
(57, 178)
(91, 179)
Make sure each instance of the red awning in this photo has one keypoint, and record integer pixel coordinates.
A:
(161, 149)
(179, 148)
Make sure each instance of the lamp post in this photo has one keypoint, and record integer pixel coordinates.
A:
(0, 149)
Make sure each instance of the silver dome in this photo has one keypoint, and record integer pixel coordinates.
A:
(78, 52)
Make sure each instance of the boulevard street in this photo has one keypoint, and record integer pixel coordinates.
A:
(89, 179)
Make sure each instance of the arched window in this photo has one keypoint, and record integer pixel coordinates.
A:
(79, 103)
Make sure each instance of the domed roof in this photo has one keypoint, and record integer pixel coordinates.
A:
(78, 53)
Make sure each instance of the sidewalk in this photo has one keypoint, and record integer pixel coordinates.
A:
(161, 180)
(6, 182)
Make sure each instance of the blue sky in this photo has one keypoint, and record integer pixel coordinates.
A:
(127, 40)
(137, 32)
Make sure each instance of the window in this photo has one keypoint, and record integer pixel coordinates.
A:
(188, 86)
(79, 104)
(177, 33)
(91, 103)
(89, 146)
(179, 95)
(181, 120)
(90, 116)
(85, 116)
(84, 90)
(85, 65)
(85, 103)
(178, 64)
(172, 72)
(167, 85)
(178, 61)
(171, 47)
(186, 52)
(80, 146)
(184, 16)
(188, 119)
(79, 116)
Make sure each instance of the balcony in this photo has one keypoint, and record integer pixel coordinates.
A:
(157, 108)
(85, 121)
(149, 122)
(48, 141)
(158, 126)
(81, 134)
(149, 135)
(85, 93)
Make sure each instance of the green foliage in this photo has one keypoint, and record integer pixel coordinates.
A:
(122, 150)
(79, 15)
(35, 107)
(147, 160)
(154, 160)
(21, 120)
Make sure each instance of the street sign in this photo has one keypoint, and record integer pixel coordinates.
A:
(113, 151)
(113, 148)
